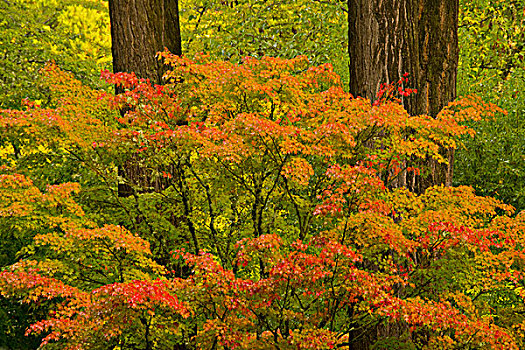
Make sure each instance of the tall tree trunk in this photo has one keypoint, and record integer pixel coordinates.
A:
(388, 38)
(140, 29)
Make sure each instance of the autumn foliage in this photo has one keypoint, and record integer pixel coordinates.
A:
(265, 211)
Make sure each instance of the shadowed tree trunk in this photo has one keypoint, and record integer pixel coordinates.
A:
(140, 29)
(388, 38)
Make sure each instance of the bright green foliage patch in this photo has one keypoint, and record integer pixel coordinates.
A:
(74, 34)
(232, 30)
(492, 63)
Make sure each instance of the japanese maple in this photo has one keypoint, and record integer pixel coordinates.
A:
(264, 213)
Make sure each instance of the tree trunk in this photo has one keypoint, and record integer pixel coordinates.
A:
(140, 29)
(388, 38)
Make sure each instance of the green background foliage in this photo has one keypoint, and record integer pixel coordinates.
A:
(492, 39)
(232, 30)
(74, 34)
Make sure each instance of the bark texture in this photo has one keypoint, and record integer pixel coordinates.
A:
(140, 29)
(388, 38)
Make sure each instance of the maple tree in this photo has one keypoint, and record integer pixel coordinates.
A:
(76, 35)
(275, 224)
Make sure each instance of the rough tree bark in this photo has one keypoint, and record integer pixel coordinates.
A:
(388, 38)
(140, 29)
